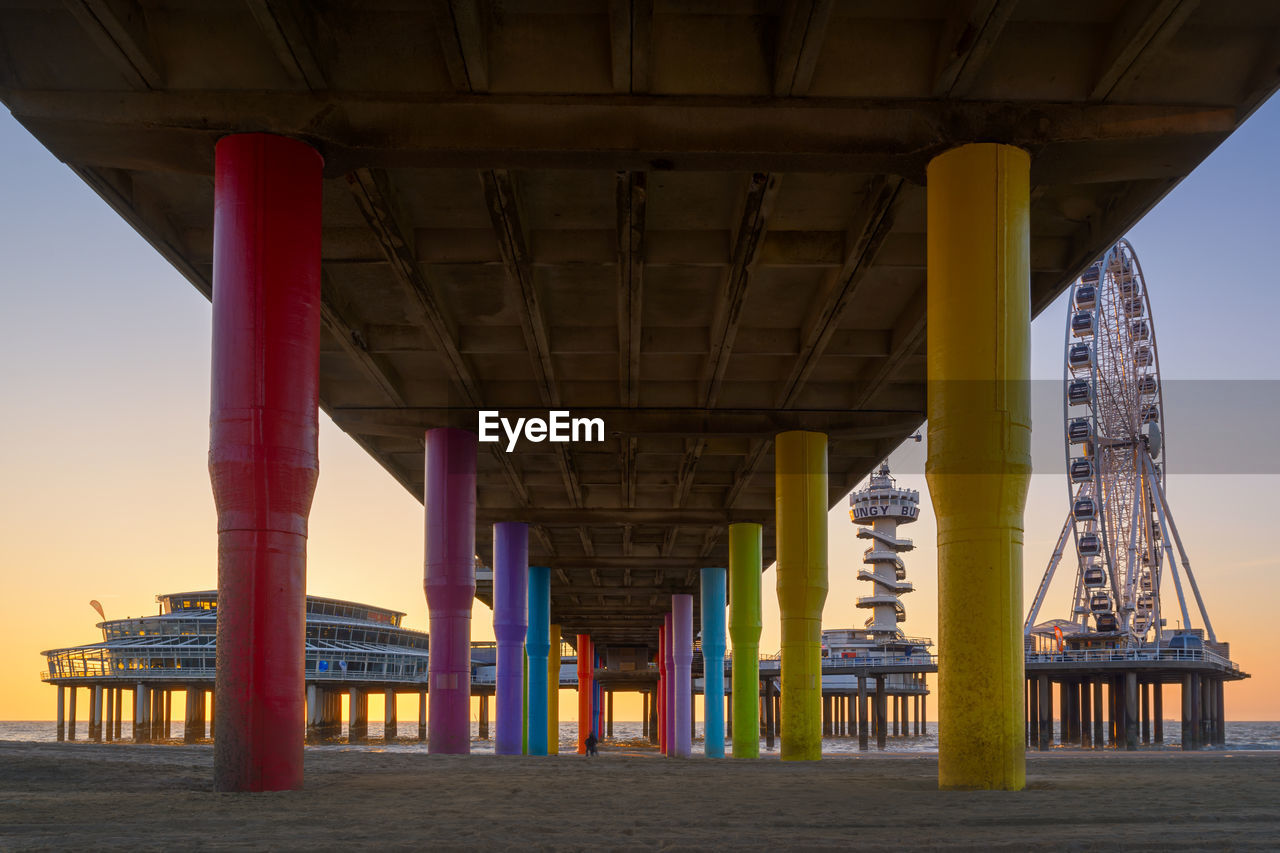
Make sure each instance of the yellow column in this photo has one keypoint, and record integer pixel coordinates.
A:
(979, 466)
(553, 693)
(745, 540)
(800, 483)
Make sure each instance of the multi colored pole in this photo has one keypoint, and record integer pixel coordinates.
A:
(713, 648)
(745, 545)
(539, 647)
(979, 465)
(553, 691)
(450, 502)
(524, 703)
(586, 658)
(801, 490)
(672, 695)
(682, 656)
(510, 623)
(262, 448)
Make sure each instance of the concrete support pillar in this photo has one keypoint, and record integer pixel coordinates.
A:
(1221, 705)
(168, 714)
(119, 711)
(827, 713)
(1073, 712)
(770, 718)
(979, 465)
(422, 715)
(1206, 711)
(193, 718)
(893, 713)
(864, 722)
(800, 464)
(108, 718)
(358, 716)
(1064, 712)
(644, 714)
(682, 658)
(524, 704)
(157, 713)
(553, 689)
(745, 539)
(1145, 688)
(538, 647)
(608, 713)
(141, 713)
(71, 713)
(1131, 710)
(510, 625)
(1098, 737)
(1031, 688)
(390, 723)
(586, 689)
(1045, 705)
(1086, 715)
(882, 714)
(95, 713)
(714, 590)
(653, 717)
(1188, 737)
(262, 448)
(62, 713)
(483, 725)
(1158, 711)
(450, 504)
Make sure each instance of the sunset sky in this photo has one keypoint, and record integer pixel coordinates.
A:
(104, 490)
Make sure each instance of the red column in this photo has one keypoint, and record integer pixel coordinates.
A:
(262, 448)
(586, 689)
(450, 584)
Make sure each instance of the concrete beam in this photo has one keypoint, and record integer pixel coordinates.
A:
(966, 41)
(119, 29)
(1141, 31)
(895, 137)
(411, 421)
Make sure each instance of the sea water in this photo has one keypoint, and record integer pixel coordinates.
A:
(1240, 736)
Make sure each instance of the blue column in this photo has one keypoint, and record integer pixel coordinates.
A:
(510, 621)
(713, 648)
(538, 646)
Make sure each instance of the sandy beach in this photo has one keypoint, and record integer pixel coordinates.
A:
(160, 798)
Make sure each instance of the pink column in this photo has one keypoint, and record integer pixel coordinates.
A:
(682, 656)
(450, 501)
(262, 448)
(671, 697)
(510, 625)
(662, 690)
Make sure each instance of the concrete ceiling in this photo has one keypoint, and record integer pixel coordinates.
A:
(701, 221)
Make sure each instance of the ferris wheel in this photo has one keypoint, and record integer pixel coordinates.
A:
(1113, 417)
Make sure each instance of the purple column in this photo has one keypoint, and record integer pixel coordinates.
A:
(682, 634)
(450, 500)
(672, 688)
(510, 623)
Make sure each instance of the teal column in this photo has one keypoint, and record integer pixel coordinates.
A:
(538, 647)
(713, 648)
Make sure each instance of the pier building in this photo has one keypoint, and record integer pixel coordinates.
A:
(761, 241)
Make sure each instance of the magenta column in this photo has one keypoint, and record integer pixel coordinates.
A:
(672, 699)
(682, 656)
(262, 449)
(450, 501)
(662, 690)
(510, 624)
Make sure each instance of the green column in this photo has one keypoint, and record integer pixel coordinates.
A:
(744, 629)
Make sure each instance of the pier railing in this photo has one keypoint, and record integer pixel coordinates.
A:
(1131, 655)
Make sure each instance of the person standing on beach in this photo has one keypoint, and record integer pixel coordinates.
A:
(591, 744)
